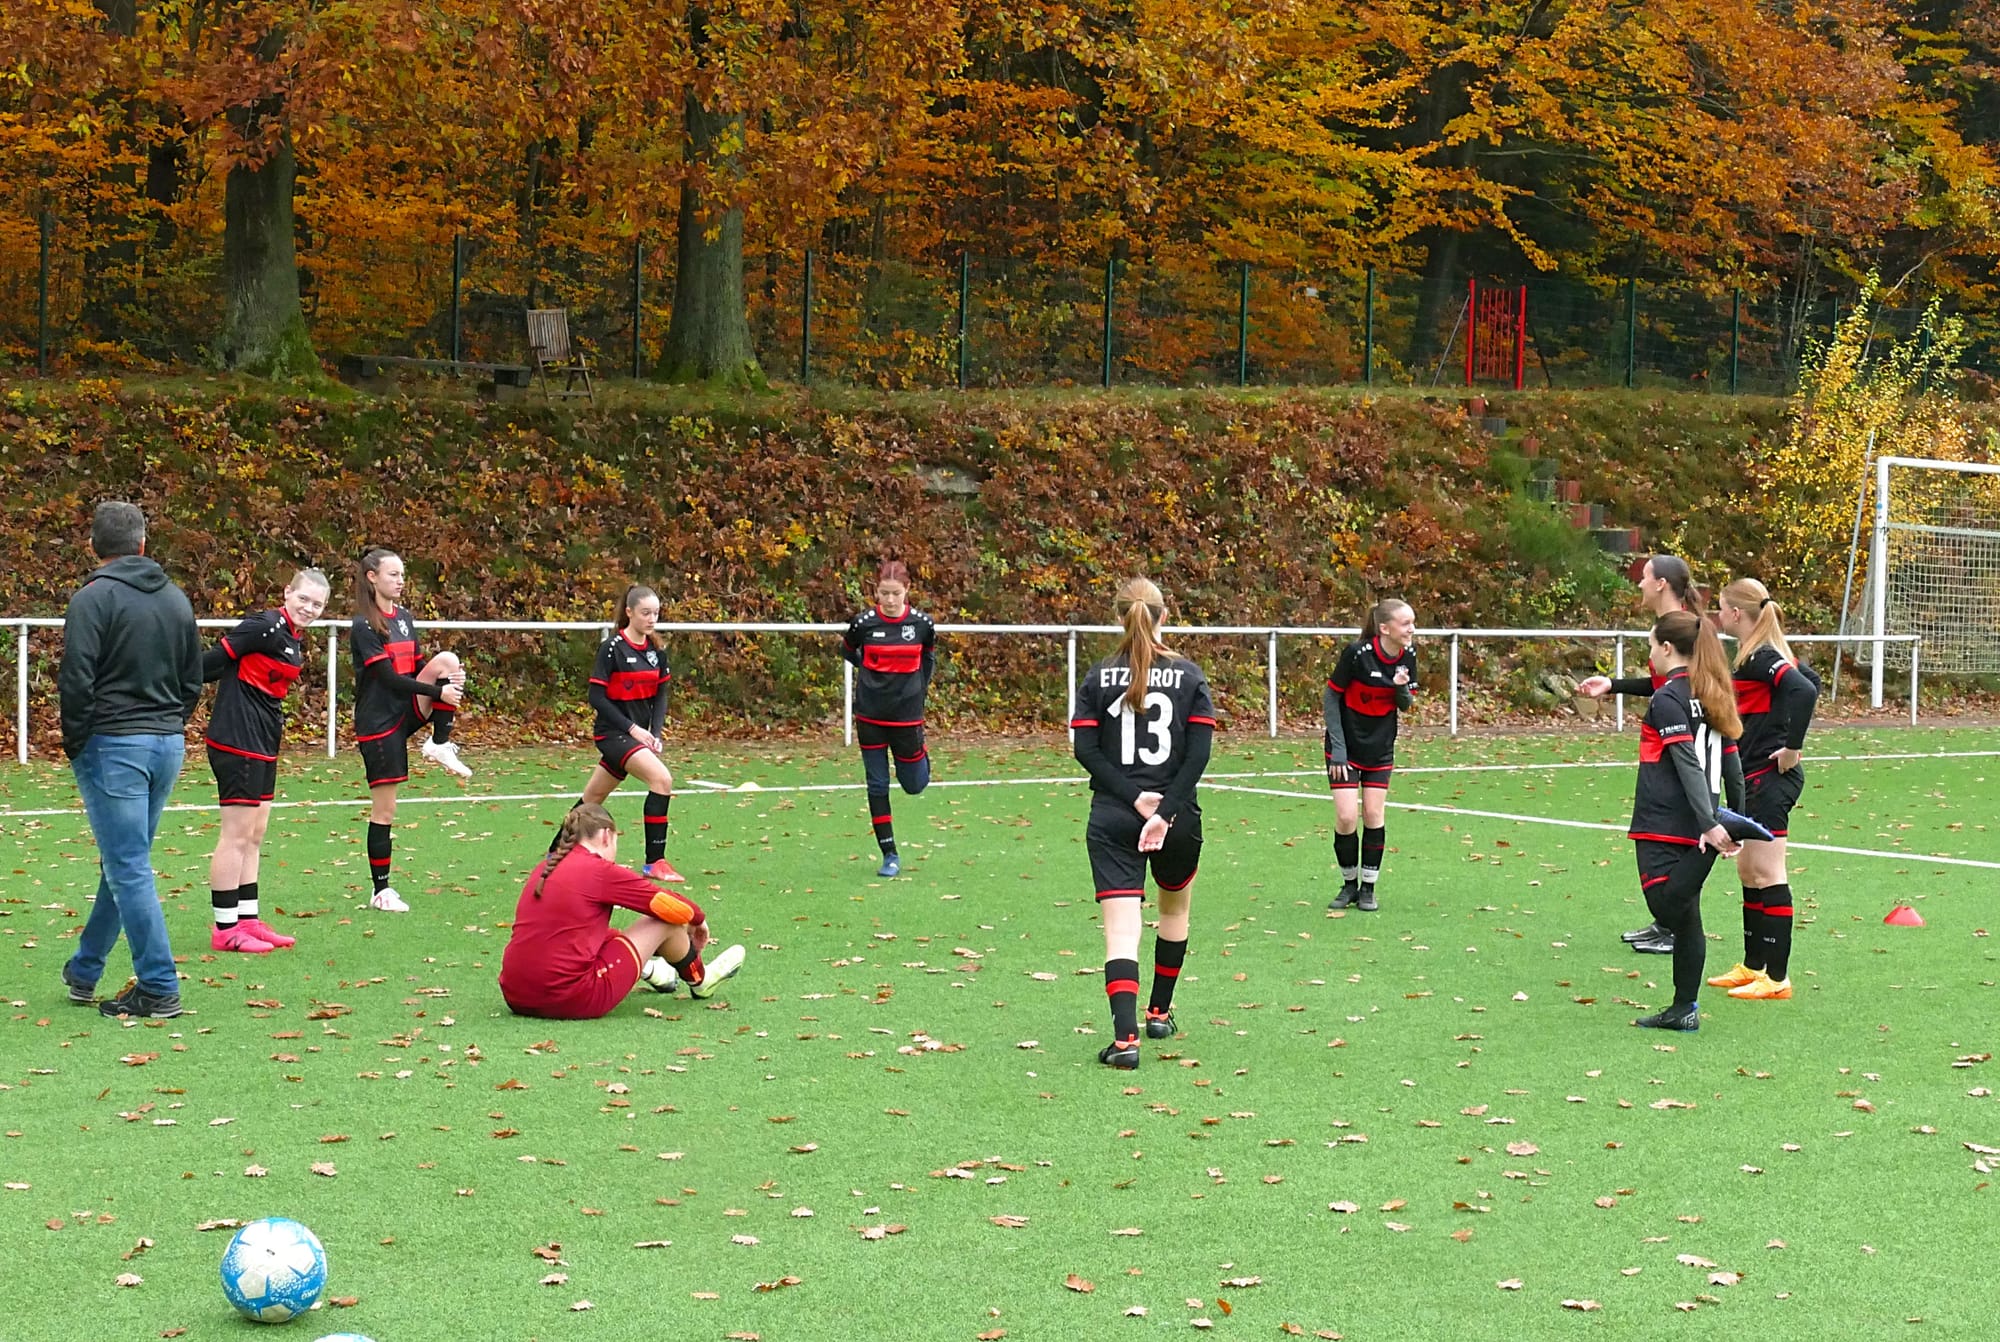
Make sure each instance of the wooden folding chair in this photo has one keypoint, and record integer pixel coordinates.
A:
(549, 348)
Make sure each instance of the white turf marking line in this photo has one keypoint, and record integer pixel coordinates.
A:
(704, 783)
(1614, 829)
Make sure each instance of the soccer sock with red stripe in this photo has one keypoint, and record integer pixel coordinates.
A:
(1347, 852)
(878, 812)
(442, 719)
(224, 904)
(690, 968)
(379, 851)
(1371, 853)
(246, 900)
(1121, 985)
(656, 826)
(1775, 935)
(1753, 926)
(1168, 957)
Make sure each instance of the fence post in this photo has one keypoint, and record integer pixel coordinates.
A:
(1618, 673)
(47, 227)
(847, 702)
(964, 311)
(1735, 337)
(1454, 684)
(1110, 274)
(1631, 331)
(332, 692)
(638, 302)
(457, 286)
(1271, 693)
(806, 324)
(1368, 331)
(1243, 343)
(1069, 713)
(1915, 647)
(21, 692)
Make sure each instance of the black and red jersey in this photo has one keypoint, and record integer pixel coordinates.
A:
(1776, 697)
(1363, 699)
(1661, 809)
(379, 705)
(896, 658)
(261, 659)
(628, 687)
(1144, 748)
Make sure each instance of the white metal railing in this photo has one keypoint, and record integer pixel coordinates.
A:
(1069, 632)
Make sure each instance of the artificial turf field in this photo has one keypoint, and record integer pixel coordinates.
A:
(1432, 1121)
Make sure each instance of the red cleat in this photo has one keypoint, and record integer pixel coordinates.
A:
(662, 871)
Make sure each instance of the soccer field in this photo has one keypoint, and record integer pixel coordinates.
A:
(1431, 1121)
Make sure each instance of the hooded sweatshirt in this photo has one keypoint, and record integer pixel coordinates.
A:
(131, 663)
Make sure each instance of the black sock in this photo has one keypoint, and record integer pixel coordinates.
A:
(1121, 985)
(1371, 853)
(1753, 926)
(379, 848)
(1690, 958)
(442, 719)
(1776, 933)
(689, 967)
(1347, 852)
(1168, 957)
(656, 826)
(246, 900)
(224, 904)
(878, 811)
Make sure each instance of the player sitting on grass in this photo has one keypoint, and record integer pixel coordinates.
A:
(564, 961)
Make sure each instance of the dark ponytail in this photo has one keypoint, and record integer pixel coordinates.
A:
(1679, 578)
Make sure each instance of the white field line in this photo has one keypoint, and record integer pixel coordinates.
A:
(1602, 827)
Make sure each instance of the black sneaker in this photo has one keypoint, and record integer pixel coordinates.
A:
(1349, 892)
(1672, 1018)
(80, 994)
(1660, 945)
(1160, 1024)
(1123, 1056)
(1367, 902)
(1649, 932)
(136, 1001)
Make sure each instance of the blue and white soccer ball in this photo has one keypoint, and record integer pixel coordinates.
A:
(273, 1270)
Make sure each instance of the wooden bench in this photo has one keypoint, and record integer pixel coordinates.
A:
(374, 372)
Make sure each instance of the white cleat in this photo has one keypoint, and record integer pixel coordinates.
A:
(388, 901)
(444, 754)
(722, 967)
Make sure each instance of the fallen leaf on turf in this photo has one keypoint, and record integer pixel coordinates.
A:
(550, 1252)
(779, 1284)
(741, 1337)
(1135, 1311)
(1129, 1230)
(1078, 1284)
(1274, 1178)
(1724, 1278)
(1606, 1202)
(1461, 1235)
(744, 1239)
(991, 1335)
(226, 1223)
(324, 1168)
(1685, 1306)
(881, 1231)
(1585, 1305)
(1344, 1208)
(653, 1244)
(1775, 1244)
(806, 1149)
(581, 1306)
(1223, 1305)
(138, 1059)
(1396, 1226)
(343, 1301)
(555, 1279)
(254, 1171)
(1692, 1260)
(1395, 1205)
(129, 1279)
(1522, 1149)
(1009, 1222)
(174, 1332)
(1630, 1271)
(136, 1250)
(1511, 1284)
(1242, 1282)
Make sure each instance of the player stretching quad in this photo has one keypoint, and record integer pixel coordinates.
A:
(629, 685)
(1371, 683)
(393, 699)
(895, 645)
(256, 663)
(1144, 727)
(1776, 695)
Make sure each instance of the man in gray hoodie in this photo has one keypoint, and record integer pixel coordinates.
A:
(130, 680)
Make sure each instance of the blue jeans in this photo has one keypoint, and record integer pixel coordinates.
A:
(125, 782)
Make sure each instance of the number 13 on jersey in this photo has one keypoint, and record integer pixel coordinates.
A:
(1158, 713)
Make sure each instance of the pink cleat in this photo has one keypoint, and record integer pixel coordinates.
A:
(263, 931)
(663, 870)
(238, 937)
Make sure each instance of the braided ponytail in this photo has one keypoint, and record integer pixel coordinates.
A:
(585, 820)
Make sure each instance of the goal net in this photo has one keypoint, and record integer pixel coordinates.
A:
(1933, 567)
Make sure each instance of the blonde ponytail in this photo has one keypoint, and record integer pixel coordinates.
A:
(1751, 596)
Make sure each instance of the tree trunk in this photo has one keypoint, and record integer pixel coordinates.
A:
(263, 328)
(708, 336)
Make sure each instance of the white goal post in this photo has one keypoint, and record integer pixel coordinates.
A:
(1933, 568)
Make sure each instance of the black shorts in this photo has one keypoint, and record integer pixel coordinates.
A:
(387, 758)
(1375, 774)
(614, 750)
(242, 780)
(1770, 797)
(1671, 876)
(905, 743)
(1117, 865)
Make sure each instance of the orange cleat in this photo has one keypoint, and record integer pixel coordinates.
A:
(1763, 988)
(1736, 977)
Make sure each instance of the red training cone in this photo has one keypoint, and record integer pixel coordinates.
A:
(1904, 916)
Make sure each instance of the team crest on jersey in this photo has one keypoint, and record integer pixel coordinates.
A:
(909, 634)
(652, 657)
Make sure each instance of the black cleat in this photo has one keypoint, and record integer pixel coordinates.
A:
(1367, 902)
(1660, 945)
(1350, 891)
(1123, 1056)
(1686, 1019)
(1159, 1024)
(1646, 933)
